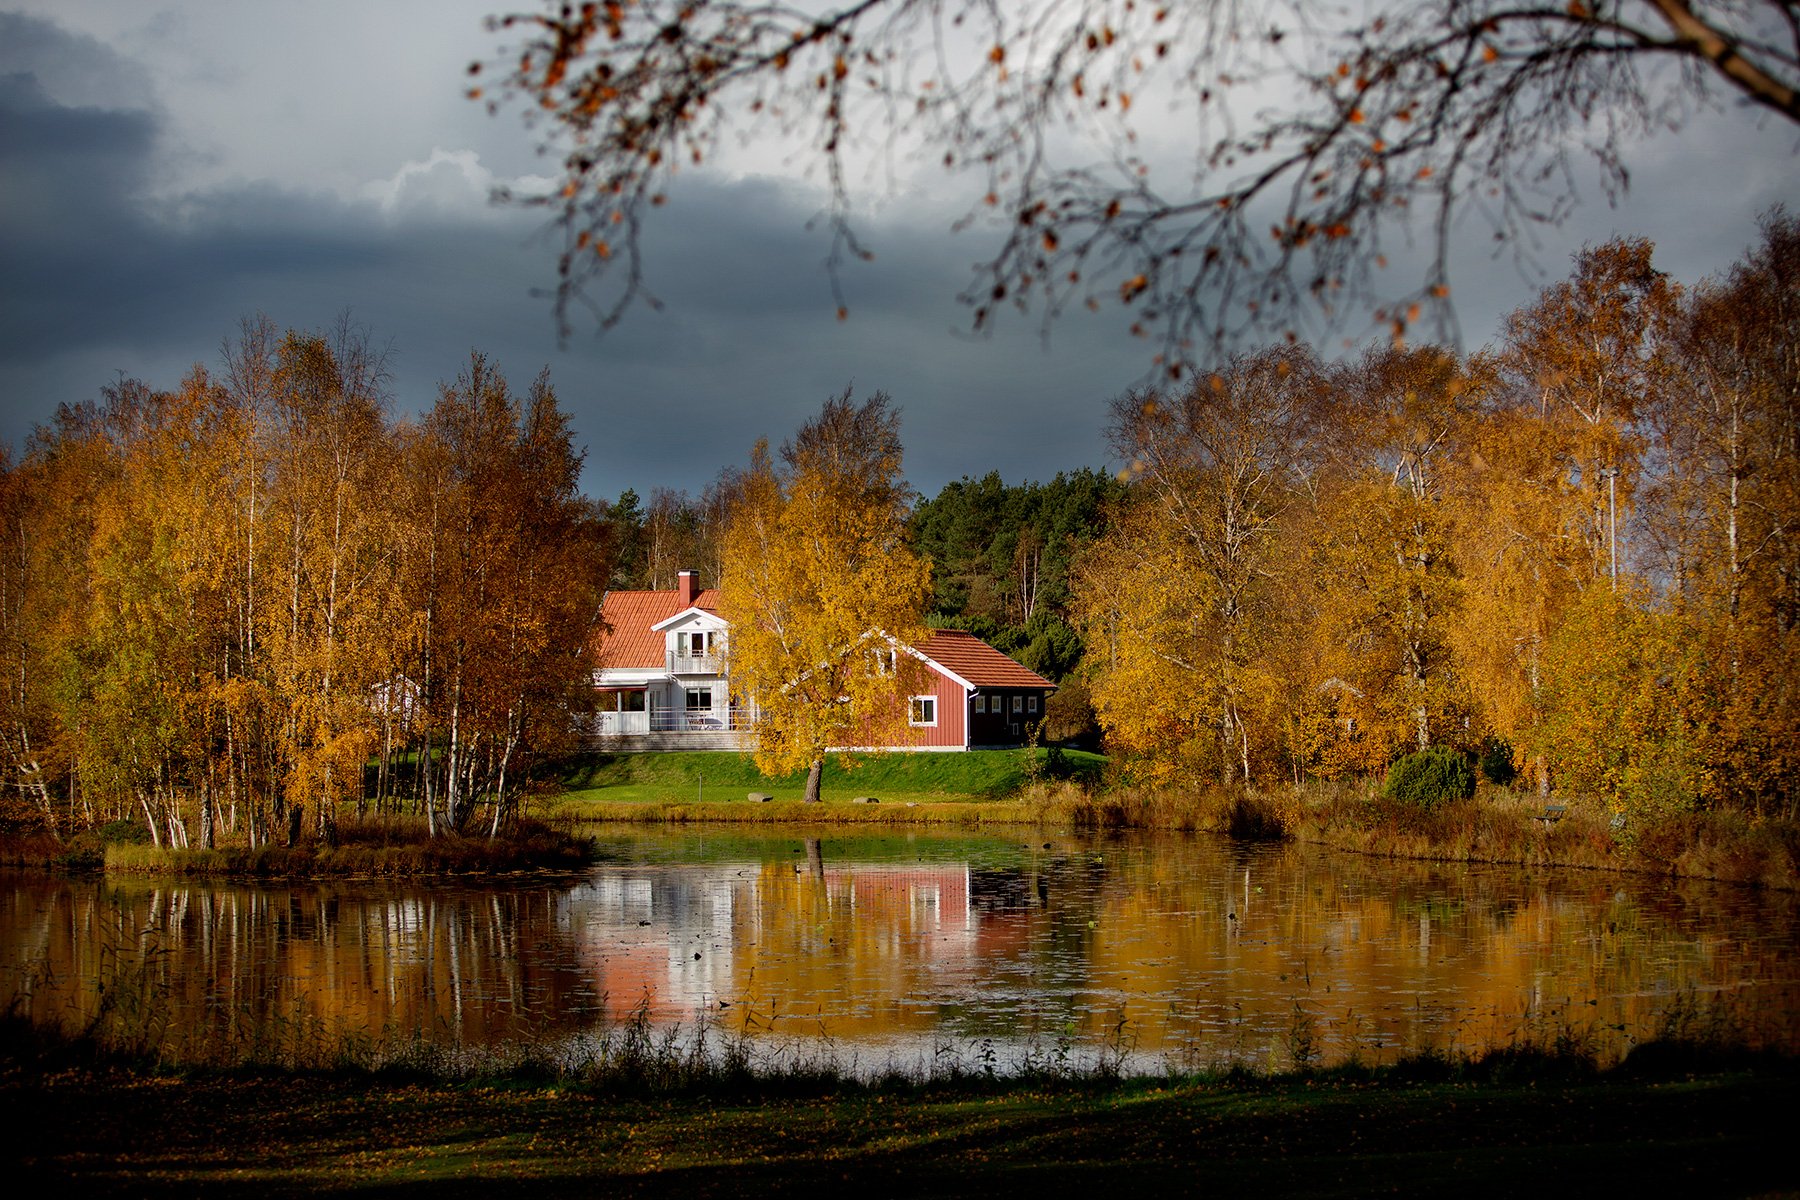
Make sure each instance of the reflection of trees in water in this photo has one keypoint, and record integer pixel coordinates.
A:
(1194, 944)
(466, 965)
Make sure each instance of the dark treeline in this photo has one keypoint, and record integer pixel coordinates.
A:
(1002, 568)
(675, 531)
(258, 597)
(1323, 566)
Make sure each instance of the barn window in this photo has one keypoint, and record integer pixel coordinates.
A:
(924, 710)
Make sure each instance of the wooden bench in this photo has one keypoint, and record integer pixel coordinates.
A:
(1551, 815)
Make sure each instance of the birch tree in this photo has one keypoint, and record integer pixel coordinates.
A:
(820, 587)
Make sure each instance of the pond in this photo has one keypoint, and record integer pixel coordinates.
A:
(1156, 948)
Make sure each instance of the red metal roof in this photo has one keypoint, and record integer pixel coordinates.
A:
(632, 643)
(978, 662)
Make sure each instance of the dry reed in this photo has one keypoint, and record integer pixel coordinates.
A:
(376, 848)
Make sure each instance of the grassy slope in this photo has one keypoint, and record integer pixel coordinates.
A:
(892, 778)
(98, 1133)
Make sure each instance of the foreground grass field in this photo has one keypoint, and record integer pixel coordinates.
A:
(1722, 1131)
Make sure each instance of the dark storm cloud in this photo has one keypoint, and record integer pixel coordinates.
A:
(109, 279)
(110, 264)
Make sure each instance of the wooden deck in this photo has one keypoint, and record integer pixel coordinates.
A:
(687, 739)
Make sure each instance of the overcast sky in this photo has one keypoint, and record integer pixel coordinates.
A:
(167, 168)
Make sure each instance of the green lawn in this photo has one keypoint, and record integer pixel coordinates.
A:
(107, 1132)
(689, 777)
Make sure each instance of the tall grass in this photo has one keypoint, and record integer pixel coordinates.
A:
(30, 850)
(634, 1056)
(1496, 825)
(1240, 813)
(1500, 826)
(387, 847)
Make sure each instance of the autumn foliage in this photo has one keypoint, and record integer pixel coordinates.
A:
(1323, 567)
(258, 602)
(822, 590)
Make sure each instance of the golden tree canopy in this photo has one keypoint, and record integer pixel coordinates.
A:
(820, 583)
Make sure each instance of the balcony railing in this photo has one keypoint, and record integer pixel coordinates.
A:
(705, 720)
(693, 664)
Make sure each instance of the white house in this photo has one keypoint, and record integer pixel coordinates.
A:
(663, 685)
(661, 679)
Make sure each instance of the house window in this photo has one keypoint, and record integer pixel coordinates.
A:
(699, 698)
(981, 704)
(1018, 704)
(1031, 704)
(924, 710)
(697, 645)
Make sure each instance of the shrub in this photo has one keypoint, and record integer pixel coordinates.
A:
(1429, 779)
(1497, 762)
(115, 833)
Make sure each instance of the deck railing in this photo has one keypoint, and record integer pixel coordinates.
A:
(706, 720)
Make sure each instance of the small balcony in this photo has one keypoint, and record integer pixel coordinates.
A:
(663, 720)
(693, 664)
(671, 729)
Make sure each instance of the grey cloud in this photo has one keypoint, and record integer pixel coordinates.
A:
(102, 277)
(72, 70)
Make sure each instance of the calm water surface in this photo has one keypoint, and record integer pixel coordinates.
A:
(901, 947)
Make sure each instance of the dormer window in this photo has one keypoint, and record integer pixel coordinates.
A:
(694, 645)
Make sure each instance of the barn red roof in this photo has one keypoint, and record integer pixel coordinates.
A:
(633, 643)
(978, 662)
(630, 615)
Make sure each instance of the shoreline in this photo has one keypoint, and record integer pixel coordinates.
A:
(373, 851)
(1711, 847)
(1495, 829)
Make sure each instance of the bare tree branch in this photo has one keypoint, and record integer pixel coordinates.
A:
(1314, 142)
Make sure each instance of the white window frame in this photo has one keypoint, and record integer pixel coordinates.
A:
(692, 694)
(913, 709)
(1018, 704)
(1031, 703)
(981, 704)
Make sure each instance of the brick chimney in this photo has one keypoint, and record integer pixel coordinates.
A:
(688, 589)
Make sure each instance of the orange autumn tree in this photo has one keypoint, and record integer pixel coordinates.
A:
(1180, 601)
(504, 578)
(1723, 514)
(820, 585)
(1384, 564)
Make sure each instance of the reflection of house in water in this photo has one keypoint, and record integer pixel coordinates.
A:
(935, 896)
(668, 935)
(686, 937)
